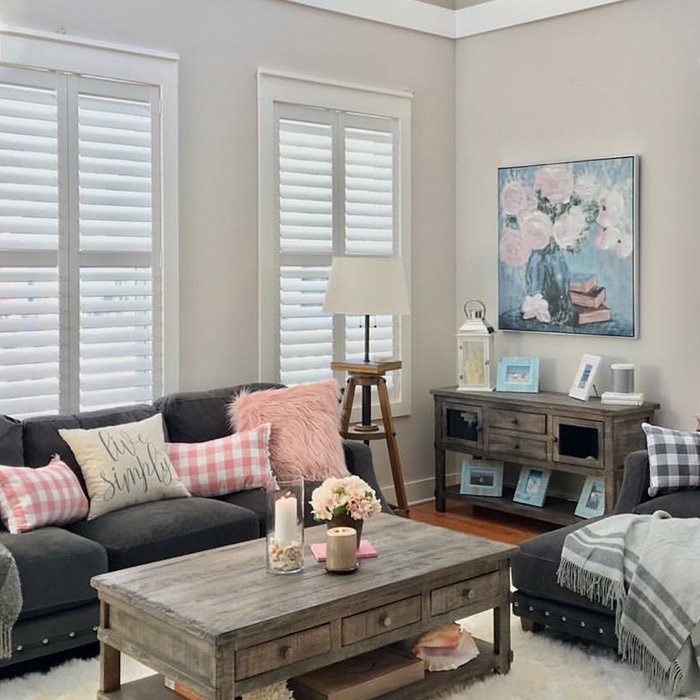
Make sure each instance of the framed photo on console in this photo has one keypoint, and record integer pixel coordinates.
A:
(482, 477)
(532, 486)
(585, 376)
(591, 503)
(518, 374)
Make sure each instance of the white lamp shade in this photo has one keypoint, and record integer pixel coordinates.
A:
(367, 286)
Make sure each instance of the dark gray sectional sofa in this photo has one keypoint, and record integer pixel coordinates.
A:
(542, 603)
(56, 563)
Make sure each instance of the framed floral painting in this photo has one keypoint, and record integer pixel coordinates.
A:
(568, 247)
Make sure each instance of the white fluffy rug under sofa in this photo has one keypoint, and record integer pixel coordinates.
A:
(543, 669)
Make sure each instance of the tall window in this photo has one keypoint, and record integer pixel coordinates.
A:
(80, 243)
(333, 185)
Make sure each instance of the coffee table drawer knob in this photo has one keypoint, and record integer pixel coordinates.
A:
(469, 593)
(286, 652)
(385, 620)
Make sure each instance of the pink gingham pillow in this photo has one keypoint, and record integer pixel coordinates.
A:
(32, 498)
(238, 462)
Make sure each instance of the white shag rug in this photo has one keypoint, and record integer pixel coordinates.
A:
(543, 669)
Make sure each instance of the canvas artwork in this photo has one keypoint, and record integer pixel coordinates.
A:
(568, 247)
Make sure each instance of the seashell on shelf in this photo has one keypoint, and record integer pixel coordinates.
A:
(445, 648)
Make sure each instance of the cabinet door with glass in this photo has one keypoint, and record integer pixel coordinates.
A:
(462, 425)
(578, 441)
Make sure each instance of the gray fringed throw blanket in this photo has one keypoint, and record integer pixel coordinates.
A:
(10, 600)
(646, 567)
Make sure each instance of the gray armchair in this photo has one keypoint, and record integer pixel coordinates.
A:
(541, 602)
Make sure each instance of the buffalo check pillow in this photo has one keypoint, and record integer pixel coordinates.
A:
(674, 459)
(32, 498)
(237, 462)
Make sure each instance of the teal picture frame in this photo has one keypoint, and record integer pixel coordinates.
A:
(519, 374)
(532, 486)
(591, 502)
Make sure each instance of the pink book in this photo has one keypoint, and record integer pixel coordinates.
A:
(365, 551)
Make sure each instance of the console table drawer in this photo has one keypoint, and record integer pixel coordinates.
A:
(458, 595)
(283, 651)
(517, 420)
(380, 620)
(516, 445)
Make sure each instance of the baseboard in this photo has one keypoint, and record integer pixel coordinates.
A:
(418, 491)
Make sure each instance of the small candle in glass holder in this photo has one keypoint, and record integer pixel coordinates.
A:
(341, 550)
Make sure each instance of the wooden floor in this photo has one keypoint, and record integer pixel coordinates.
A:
(502, 527)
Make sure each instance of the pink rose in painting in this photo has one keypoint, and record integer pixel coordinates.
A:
(624, 247)
(612, 208)
(607, 238)
(569, 227)
(536, 306)
(537, 229)
(514, 197)
(515, 250)
(555, 182)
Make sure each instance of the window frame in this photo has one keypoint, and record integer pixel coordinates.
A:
(356, 101)
(156, 72)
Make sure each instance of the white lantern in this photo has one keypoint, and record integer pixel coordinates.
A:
(475, 350)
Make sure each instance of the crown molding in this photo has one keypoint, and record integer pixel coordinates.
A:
(408, 14)
(454, 24)
(500, 14)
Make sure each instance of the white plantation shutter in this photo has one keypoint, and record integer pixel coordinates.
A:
(80, 304)
(336, 187)
(120, 310)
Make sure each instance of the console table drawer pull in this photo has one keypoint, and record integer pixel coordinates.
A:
(378, 621)
(283, 651)
(535, 423)
(463, 593)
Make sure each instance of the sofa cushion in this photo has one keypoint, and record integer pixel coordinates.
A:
(55, 567)
(41, 439)
(683, 504)
(163, 529)
(11, 449)
(198, 416)
(254, 500)
(535, 567)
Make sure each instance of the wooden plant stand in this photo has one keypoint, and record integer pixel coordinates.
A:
(369, 374)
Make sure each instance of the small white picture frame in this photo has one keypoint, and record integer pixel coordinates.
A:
(585, 376)
(591, 502)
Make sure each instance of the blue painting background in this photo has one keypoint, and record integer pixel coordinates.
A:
(616, 274)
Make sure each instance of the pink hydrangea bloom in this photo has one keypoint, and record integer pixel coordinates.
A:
(515, 198)
(612, 208)
(515, 249)
(537, 229)
(555, 182)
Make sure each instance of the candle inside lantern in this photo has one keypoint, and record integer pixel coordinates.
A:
(285, 519)
(341, 549)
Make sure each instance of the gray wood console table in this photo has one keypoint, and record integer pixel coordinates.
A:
(546, 430)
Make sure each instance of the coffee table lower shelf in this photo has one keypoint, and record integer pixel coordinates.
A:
(153, 687)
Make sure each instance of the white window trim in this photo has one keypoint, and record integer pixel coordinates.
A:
(273, 88)
(60, 52)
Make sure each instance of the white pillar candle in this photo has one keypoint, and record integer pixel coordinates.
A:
(285, 519)
(341, 549)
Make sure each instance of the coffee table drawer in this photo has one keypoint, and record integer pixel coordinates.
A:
(380, 620)
(466, 592)
(283, 651)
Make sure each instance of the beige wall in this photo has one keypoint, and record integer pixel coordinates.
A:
(221, 44)
(616, 80)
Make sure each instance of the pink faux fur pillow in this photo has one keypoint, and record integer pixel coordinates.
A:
(305, 438)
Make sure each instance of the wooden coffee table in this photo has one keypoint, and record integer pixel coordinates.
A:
(220, 625)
